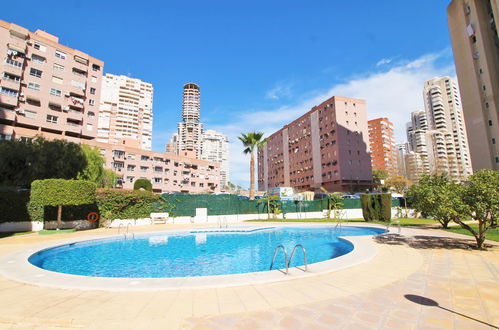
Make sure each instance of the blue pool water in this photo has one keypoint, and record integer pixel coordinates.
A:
(196, 253)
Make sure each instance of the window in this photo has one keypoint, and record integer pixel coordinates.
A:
(90, 114)
(11, 77)
(58, 67)
(60, 55)
(30, 114)
(91, 102)
(77, 84)
(34, 86)
(490, 122)
(35, 73)
(144, 157)
(94, 79)
(14, 63)
(81, 60)
(39, 46)
(130, 168)
(9, 92)
(493, 141)
(95, 67)
(55, 92)
(92, 90)
(38, 59)
(51, 119)
(90, 127)
(130, 179)
(57, 80)
(143, 169)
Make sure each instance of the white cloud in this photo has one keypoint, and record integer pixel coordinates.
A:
(384, 61)
(279, 91)
(393, 93)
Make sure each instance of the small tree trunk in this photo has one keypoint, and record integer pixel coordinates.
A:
(252, 176)
(59, 215)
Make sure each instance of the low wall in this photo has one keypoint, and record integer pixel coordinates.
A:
(200, 218)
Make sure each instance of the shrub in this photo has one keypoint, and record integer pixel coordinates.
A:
(142, 183)
(125, 204)
(59, 192)
(13, 206)
(376, 206)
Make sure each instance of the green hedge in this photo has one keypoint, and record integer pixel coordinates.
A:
(142, 183)
(376, 206)
(54, 192)
(14, 206)
(125, 204)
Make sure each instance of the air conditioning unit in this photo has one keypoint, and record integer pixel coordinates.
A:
(22, 99)
(20, 111)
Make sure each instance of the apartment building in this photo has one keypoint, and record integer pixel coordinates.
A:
(167, 172)
(448, 152)
(46, 86)
(125, 111)
(190, 130)
(402, 150)
(328, 146)
(172, 146)
(216, 149)
(417, 144)
(382, 145)
(473, 28)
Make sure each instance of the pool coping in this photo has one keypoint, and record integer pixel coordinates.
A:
(15, 266)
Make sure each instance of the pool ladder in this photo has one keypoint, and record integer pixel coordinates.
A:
(287, 261)
(394, 222)
(126, 231)
(222, 222)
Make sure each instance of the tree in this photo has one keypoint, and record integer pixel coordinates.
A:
(23, 161)
(400, 185)
(335, 202)
(272, 201)
(251, 141)
(379, 175)
(438, 197)
(107, 179)
(481, 197)
(94, 169)
(142, 184)
(60, 192)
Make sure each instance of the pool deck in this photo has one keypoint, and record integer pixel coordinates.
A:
(387, 291)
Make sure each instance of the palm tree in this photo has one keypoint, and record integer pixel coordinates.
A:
(251, 141)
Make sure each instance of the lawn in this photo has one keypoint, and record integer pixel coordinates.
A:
(493, 234)
(403, 221)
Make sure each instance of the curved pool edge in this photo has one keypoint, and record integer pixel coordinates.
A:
(16, 267)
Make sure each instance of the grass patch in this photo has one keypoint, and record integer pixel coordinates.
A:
(403, 221)
(54, 231)
(492, 234)
(8, 234)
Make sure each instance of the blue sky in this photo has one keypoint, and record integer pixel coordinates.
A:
(259, 63)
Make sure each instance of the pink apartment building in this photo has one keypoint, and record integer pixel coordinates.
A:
(46, 86)
(50, 90)
(328, 146)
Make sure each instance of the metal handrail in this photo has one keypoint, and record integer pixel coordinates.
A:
(304, 257)
(119, 227)
(397, 222)
(127, 230)
(280, 246)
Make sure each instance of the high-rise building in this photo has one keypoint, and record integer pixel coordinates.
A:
(46, 86)
(126, 111)
(328, 146)
(172, 146)
(382, 146)
(448, 151)
(473, 28)
(416, 137)
(402, 150)
(216, 149)
(190, 130)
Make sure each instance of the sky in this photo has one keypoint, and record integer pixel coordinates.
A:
(259, 64)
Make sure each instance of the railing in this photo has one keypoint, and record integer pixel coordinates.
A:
(285, 257)
(304, 257)
(287, 261)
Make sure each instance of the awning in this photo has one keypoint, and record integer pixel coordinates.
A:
(16, 48)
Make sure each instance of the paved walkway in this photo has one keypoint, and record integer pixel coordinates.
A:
(417, 281)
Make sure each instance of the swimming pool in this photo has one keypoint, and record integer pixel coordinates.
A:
(196, 253)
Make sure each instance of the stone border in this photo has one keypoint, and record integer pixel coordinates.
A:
(16, 267)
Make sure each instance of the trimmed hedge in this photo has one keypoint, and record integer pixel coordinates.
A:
(125, 204)
(14, 206)
(142, 183)
(376, 206)
(55, 192)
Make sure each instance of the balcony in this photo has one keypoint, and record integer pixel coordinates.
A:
(76, 92)
(10, 83)
(8, 100)
(7, 114)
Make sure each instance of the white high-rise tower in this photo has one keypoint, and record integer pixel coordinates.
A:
(190, 130)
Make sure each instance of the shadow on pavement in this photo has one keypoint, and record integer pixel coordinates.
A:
(428, 242)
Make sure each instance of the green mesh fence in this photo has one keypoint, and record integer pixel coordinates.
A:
(185, 205)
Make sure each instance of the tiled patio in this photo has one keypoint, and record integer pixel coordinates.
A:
(372, 295)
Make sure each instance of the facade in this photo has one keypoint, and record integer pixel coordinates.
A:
(167, 172)
(417, 164)
(216, 149)
(46, 86)
(172, 146)
(402, 150)
(473, 28)
(382, 146)
(448, 150)
(190, 130)
(125, 111)
(327, 146)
